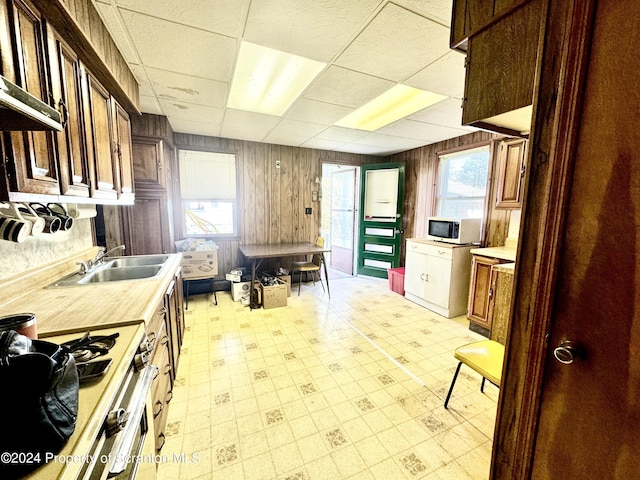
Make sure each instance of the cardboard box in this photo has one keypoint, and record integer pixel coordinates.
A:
(233, 277)
(286, 279)
(274, 296)
(202, 264)
(239, 290)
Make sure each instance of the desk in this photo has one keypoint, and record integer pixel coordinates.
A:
(258, 252)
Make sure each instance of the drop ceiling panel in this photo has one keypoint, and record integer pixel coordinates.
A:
(210, 129)
(150, 104)
(340, 86)
(396, 45)
(444, 76)
(170, 46)
(438, 10)
(185, 88)
(321, 144)
(317, 112)
(309, 28)
(183, 53)
(188, 111)
(340, 134)
(220, 16)
(247, 125)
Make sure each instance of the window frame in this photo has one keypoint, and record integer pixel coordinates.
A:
(490, 145)
(236, 203)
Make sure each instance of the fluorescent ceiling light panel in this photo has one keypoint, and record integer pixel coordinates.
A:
(269, 81)
(392, 105)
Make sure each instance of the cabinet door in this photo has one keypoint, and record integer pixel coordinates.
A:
(437, 281)
(148, 163)
(103, 168)
(122, 131)
(415, 266)
(480, 290)
(32, 151)
(66, 88)
(511, 169)
(175, 335)
(149, 224)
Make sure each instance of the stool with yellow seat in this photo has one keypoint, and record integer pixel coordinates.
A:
(485, 357)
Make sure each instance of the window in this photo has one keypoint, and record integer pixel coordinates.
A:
(208, 190)
(462, 183)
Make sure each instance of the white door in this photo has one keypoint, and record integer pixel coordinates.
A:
(414, 274)
(437, 280)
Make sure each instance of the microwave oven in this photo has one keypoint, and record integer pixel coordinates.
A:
(454, 230)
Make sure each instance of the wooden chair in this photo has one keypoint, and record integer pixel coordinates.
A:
(309, 266)
(485, 357)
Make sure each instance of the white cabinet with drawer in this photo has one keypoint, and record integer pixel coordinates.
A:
(437, 276)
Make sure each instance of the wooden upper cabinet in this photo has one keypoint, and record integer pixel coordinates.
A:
(511, 170)
(123, 152)
(149, 162)
(472, 16)
(33, 152)
(500, 74)
(66, 89)
(103, 169)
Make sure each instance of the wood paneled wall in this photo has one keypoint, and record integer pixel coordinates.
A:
(271, 200)
(420, 183)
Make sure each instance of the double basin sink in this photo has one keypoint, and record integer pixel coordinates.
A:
(117, 269)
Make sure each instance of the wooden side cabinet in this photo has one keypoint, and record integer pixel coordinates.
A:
(511, 170)
(482, 290)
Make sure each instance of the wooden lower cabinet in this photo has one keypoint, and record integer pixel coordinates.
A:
(165, 333)
(482, 289)
(500, 304)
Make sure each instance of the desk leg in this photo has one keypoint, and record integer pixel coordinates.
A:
(326, 275)
(252, 303)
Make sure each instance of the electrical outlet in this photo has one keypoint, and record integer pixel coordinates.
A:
(277, 163)
(308, 210)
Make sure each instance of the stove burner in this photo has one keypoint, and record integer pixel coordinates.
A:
(87, 347)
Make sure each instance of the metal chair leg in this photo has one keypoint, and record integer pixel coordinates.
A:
(453, 382)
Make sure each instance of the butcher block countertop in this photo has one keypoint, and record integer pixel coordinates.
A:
(75, 309)
(503, 253)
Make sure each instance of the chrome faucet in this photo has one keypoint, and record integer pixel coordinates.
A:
(85, 267)
(102, 254)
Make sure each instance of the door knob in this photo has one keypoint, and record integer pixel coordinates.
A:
(567, 352)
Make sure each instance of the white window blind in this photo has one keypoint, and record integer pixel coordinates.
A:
(207, 175)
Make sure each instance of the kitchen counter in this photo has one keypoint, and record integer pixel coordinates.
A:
(92, 397)
(503, 253)
(76, 309)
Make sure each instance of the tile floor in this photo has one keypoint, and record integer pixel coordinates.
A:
(346, 388)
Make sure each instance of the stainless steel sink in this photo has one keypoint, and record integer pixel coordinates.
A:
(120, 269)
(137, 261)
(108, 274)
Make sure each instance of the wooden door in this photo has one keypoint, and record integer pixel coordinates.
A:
(66, 87)
(123, 152)
(578, 275)
(511, 169)
(33, 152)
(98, 126)
(380, 218)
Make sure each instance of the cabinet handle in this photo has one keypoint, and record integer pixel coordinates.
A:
(65, 113)
(442, 252)
(422, 277)
(167, 369)
(159, 410)
(151, 337)
(164, 439)
(426, 275)
(169, 396)
(490, 293)
(165, 340)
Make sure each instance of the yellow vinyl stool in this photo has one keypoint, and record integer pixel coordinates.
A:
(485, 357)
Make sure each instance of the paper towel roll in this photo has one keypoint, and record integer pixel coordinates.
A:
(77, 210)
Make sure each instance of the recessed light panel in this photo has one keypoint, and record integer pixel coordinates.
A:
(268, 81)
(394, 104)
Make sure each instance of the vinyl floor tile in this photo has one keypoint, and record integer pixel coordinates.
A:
(350, 387)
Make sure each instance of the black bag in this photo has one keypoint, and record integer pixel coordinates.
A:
(38, 404)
